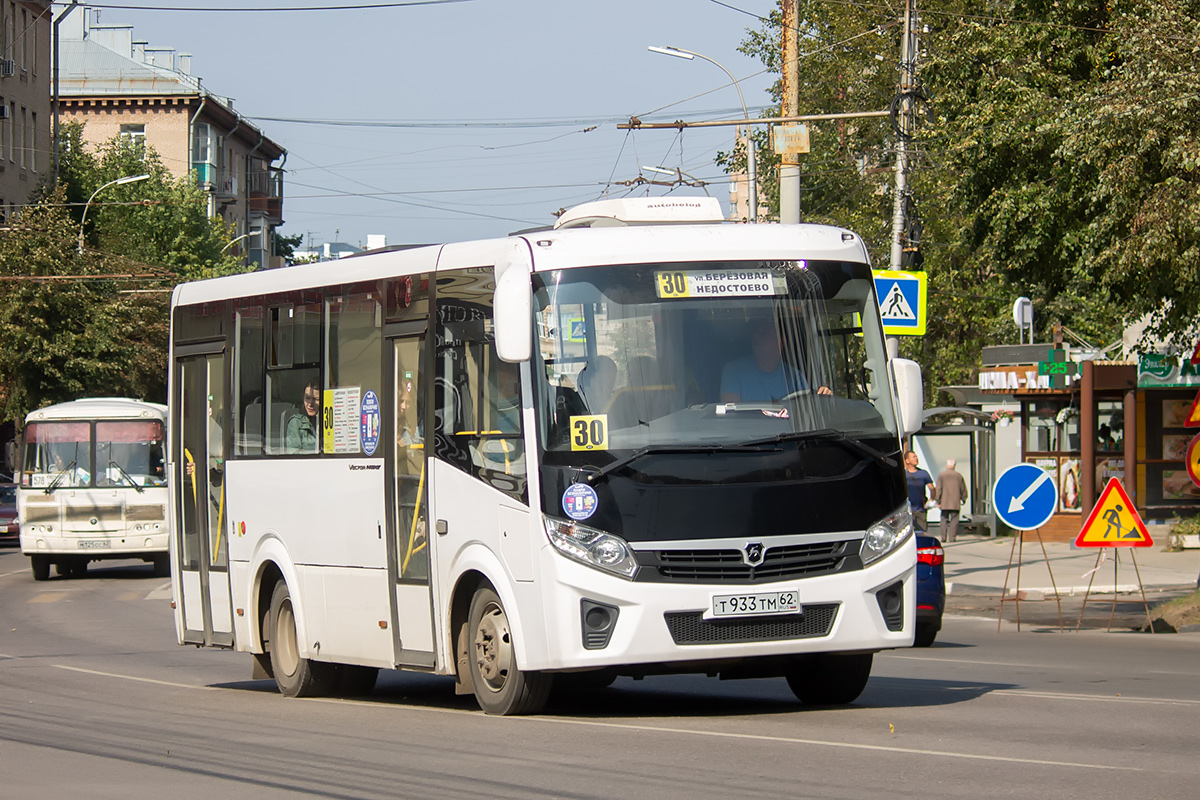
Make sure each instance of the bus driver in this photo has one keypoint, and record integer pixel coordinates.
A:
(762, 376)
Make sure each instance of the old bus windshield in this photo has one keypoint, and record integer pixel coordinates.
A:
(60, 454)
(707, 355)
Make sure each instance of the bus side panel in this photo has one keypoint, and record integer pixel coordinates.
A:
(326, 516)
(241, 591)
(473, 542)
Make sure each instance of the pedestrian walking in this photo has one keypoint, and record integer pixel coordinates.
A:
(919, 484)
(950, 491)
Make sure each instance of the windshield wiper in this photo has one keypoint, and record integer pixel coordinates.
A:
(591, 477)
(58, 477)
(125, 475)
(826, 434)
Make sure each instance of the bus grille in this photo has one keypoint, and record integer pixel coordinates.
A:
(728, 566)
(690, 627)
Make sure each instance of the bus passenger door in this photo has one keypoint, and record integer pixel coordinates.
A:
(410, 493)
(202, 551)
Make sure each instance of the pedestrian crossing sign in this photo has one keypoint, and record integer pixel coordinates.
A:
(1114, 522)
(901, 297)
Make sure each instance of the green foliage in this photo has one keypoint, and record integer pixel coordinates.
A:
(94, 322)
(1057, 156)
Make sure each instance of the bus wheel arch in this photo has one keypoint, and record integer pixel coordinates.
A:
(460, 610)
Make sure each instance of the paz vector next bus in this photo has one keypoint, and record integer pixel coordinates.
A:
(641, 442)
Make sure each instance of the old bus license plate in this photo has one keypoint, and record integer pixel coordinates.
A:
(98, 544)
(756, 605)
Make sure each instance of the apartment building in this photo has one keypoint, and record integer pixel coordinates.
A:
(118, 85)
(24, 101)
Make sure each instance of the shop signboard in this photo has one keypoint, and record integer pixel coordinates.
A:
(1156, 371)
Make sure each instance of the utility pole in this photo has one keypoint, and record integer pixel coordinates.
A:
(904, 125)
(789, 168)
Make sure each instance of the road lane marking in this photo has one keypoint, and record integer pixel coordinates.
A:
(48, 597)
(1165, 701)
(160, 592)
(14, 572)
(751, 737)
(135, 678)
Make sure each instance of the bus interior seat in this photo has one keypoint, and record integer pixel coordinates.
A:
(282, 412)
(252, 422)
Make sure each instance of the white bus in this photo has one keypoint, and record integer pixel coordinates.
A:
(623, 446)
(92, 485)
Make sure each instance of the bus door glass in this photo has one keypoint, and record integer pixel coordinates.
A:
(203, 552)
(410, 517)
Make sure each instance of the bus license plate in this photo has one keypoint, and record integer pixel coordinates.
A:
(756, 605)
(99, 544)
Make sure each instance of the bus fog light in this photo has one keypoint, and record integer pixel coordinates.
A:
(887, 534)
(149, 543)
(592, 547)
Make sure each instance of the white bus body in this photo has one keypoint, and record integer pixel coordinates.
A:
(92, 485)
(657, 528)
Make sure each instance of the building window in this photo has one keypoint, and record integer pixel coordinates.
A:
(203, 155)
(24, 123)
(33, 143)
(133, 135)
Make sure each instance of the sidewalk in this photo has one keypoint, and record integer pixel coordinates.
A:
(980, 565)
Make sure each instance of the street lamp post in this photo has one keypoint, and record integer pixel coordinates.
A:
(235, 240)
(117, 182)
(751, 182)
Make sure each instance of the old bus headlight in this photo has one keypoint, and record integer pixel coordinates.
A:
(887, 534)
(592, 547)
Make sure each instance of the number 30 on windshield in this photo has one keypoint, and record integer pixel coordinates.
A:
(589, 432)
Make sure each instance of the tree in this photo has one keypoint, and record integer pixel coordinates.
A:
(95, 322)
(1057, 158)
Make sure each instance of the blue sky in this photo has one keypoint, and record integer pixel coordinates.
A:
(508, 88)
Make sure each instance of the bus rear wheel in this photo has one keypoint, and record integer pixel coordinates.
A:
(829, 679)
(162, 565)
(501, 687)
(294, 675)
(41, 567)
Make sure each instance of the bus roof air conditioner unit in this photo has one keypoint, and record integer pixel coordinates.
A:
(642, 211)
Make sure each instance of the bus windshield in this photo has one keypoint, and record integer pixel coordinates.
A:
(59, 454)
(707, 355)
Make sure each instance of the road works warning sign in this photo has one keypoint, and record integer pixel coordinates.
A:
(1114, 522)
(1193, 417)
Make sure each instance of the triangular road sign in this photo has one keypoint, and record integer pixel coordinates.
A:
(1114, 522)
(1193, 417)
(895, 305)
(1196, 354)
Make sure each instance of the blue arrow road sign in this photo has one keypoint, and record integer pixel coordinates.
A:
(1025, 497)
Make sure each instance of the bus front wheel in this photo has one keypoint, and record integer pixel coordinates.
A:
(294, 675)
(41, 567)
(501, 687)
(830, 679)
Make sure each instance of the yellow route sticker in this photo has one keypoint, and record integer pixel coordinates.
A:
(589, 432)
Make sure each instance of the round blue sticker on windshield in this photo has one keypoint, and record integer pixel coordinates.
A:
(369, 422)
(579, 501)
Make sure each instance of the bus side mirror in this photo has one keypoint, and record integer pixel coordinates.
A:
(910, 395)
(512, 307)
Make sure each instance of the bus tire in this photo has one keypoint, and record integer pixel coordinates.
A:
(829, 679)
(162, 565)
(294, 675)
(501, 687)
(41, 567)
(77, 568)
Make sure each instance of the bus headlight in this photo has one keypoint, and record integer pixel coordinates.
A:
(589, 546)
(887, 534)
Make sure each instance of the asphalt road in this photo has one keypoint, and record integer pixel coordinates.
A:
(97, 701)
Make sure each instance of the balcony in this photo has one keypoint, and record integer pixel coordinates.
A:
(266, 193)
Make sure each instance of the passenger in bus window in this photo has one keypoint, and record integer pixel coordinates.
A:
(762, 376)
(301, 435)
(506, 399)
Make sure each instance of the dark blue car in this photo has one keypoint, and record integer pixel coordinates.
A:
(931, 589)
